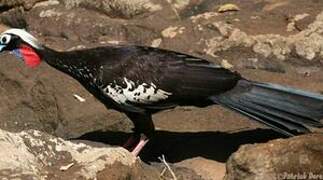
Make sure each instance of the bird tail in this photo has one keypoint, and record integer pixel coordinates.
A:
(284, 109)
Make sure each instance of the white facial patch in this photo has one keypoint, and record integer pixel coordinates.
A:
(24, 35)
(5, 39)
(142, 93)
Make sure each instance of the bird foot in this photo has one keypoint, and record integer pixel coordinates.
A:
(136, 143)
(142, 142)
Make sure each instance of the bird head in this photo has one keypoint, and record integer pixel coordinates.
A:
(22, 44)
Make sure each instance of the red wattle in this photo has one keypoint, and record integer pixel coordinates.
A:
(30, 56)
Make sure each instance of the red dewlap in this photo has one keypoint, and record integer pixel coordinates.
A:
(30, 56)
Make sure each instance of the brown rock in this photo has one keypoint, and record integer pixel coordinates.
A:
(121, 8)
(278, 159)
(303, 23)
(207, 169)
(42, 99)
(263, 64)
(36, 155)
(27, 4)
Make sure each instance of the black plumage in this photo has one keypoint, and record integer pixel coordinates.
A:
(190, 81)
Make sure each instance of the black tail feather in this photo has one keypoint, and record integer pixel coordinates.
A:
(286, 110)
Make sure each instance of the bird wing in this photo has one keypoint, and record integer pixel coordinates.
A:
(149, 77)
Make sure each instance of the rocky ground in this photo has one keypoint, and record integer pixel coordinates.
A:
(278, 41)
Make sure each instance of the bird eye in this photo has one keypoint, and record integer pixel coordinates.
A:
(5, 39)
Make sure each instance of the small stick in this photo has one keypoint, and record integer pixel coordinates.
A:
(163, 160)
(65, 168)
(163, 171)
(79, 98)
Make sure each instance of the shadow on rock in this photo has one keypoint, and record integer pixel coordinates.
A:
(178, 146)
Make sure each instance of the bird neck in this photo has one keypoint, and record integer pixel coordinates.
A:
(69, 62)
(58, 60)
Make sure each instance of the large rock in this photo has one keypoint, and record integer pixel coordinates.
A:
(43, 99)
(27, 4)
(123, 8)
(36, 155)
(291, 158)
(306, 44)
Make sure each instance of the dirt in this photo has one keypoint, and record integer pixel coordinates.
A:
(199, 139)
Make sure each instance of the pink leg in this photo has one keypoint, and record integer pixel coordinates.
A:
(143, 141)
(129, 145)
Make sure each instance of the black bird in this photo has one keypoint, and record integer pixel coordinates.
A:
(140, 81)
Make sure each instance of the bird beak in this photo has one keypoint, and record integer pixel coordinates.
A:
(1, 47)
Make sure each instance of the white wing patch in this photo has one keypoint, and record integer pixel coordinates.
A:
(142, 93)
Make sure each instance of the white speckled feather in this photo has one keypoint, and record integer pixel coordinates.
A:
(143, 93)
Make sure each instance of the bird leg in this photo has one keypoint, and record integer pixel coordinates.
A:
(144, 129)
(142, 142)
(135, 143)
(131, 142)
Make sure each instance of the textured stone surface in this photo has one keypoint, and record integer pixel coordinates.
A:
(278, 158)
(307, 44)
(36, 155)
(34, 99)
(122, 8)
(27, 4)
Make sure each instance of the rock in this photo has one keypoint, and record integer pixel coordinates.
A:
(205, 168)
(3, 27)
(172, 31)
(302, 24)
(156, 42)
(263, 49)
(203, 16)
(306, 44)
(120, 8)
(177, 171)
(226, 64)
(49, 13)
(27, 4)
(292, 25)
(310, 47)
(272, 5)
(224, 29)
(35, 155)
(307, 71)
(278, 159)
(181, 173)
(180, 4)
(236, 38)
(42, 99)
(228, 7)
(46, 3)
(14, 18)
(263, 64)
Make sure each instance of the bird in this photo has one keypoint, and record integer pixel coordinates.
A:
(140, 81)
